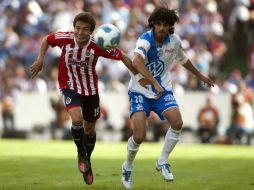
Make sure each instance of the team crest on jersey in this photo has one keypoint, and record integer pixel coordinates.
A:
(88, 53)
(156, 67)
(139, 107)
(69, 83)
(67, 100)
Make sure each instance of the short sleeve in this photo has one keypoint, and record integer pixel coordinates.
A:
(51, 40)
(142, 47)
(180, 55)
(58, 39)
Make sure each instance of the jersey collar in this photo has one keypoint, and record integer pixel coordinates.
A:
(153, 43)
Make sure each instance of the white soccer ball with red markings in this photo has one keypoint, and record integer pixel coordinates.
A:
(107, 36)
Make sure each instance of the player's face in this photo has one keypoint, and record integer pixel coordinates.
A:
(161, 30)
(82, 32)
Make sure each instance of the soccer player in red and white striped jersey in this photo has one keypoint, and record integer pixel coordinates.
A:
(78, 82)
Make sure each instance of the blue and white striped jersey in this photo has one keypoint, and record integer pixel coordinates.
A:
(157, 58)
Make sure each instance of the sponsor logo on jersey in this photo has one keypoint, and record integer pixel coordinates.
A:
(140, 107)
(169, 99)
(67, 100)
(156, 67)
(169, 50)
(77, 62)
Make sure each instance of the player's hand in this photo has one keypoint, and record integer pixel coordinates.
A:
(35, 68)
(159, 91)
(208, 82)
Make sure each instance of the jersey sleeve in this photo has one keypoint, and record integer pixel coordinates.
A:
(142, 47)
(54, 41)
(114, 53)
(180, 54)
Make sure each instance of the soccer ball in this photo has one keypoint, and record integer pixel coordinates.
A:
(107, 36)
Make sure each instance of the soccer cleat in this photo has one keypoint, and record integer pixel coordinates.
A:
(88, 176)
(126, 178)
(165, 171)
(83, 165)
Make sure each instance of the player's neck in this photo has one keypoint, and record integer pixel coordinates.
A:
(83, 43)
(159, 41)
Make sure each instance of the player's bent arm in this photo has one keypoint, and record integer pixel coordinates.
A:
(36, 67)
(139, 64)
(128, 63)
(189, 66)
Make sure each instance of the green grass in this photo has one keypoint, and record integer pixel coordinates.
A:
(39, 165)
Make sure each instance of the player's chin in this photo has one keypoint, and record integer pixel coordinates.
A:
(162, 34)
(81, 38)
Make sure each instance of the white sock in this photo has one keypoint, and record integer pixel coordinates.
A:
(132, 149)
(171, 138)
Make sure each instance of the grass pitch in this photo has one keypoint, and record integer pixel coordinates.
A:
(51, 165)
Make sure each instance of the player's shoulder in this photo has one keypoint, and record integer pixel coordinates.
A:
(175, 38)
(66, 35)
(146, 36)
(145, 40)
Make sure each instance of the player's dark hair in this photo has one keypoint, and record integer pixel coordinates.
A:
(163, 14)
(85, 17)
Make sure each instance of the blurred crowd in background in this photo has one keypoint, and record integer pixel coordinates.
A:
(217, 35)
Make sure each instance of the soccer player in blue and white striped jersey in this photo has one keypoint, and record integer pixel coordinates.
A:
(155, 51)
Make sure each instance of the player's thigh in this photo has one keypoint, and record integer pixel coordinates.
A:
(91, 108)
(76, 115)
(174, 117)
(138, 121)
(73, 104)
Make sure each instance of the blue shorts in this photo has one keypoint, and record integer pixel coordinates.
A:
(138, 102)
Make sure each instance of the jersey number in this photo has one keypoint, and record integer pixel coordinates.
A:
(96, 111)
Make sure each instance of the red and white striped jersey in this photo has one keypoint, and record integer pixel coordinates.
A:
(76, 69)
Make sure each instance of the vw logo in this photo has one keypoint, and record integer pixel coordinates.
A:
(156, 67)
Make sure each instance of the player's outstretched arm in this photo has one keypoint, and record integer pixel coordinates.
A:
(128, 63)
(189, 66)
(36, 67)
(139, 64)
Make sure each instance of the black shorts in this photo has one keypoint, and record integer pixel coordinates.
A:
(90, 104)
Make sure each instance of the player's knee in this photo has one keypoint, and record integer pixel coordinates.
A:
(89, 128)
(177, 125)
(139, 138)
(77, 120)
(89, 132)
